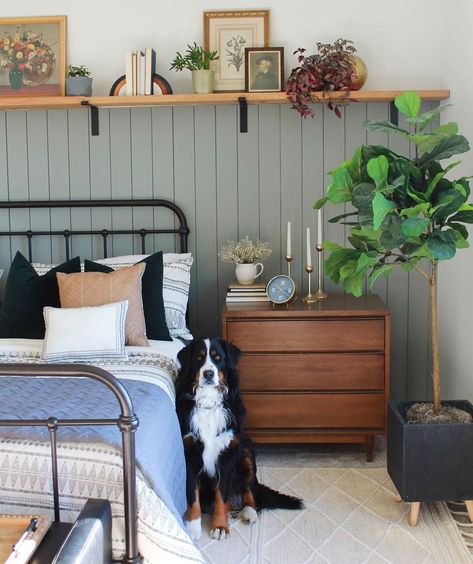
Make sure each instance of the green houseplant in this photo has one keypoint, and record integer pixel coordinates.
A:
(406, 213)
(78, 81)
(197, 60)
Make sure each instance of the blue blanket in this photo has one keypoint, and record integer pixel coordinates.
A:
(159, 451)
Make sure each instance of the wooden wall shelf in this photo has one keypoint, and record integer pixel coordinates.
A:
(64, 102)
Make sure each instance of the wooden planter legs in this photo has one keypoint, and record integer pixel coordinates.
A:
(415, 510)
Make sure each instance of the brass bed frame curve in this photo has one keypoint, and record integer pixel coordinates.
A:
(127, 421)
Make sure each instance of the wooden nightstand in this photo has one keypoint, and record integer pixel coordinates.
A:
(313, 373)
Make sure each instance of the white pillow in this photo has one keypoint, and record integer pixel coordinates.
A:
(85, 333)
(176, 284)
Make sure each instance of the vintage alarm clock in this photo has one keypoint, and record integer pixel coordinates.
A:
(281, 289)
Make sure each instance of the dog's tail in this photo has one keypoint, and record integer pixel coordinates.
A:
(267, 498)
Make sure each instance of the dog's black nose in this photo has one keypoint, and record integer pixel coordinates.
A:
(208, 375)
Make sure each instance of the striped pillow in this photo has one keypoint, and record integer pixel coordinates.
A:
(85, 333)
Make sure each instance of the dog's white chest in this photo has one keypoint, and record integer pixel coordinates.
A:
(209, 425)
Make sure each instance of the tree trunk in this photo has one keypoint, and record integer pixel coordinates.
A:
(434, 333)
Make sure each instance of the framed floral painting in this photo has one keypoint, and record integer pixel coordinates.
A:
(230, 33)
(33, 56)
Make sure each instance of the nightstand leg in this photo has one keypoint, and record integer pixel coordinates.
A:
(414, 516)
(369, 446)
(469, 508)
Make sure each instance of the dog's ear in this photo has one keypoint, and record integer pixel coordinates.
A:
(184, 356)
(232, 352)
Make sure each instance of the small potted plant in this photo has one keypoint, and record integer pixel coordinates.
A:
(247, 257)
(197, 60)
(78, 81)
(409, 213)
(334, 67)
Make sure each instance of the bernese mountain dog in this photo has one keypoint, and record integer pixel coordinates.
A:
(220, 460)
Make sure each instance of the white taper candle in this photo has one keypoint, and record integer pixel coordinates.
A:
(319, 228)
(309, 253)
(288, 250)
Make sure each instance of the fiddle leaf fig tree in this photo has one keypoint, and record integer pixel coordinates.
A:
(406, 212)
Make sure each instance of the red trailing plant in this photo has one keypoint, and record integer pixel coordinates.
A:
(330, 69)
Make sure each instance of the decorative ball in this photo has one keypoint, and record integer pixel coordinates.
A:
(361, 72)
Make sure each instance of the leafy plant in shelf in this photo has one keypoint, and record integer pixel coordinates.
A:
(406, 214)
(194, 58)
(330, 69)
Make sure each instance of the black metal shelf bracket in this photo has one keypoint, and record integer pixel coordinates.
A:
(393, 113)
(94, 117)
(243, 114)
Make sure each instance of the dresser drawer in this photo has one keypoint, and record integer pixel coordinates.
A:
(307, 335)
(322, 411)
(311, 372)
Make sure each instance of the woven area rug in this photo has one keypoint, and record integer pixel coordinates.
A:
(351, 517)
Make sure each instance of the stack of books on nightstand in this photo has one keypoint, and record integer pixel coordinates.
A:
(237, 293)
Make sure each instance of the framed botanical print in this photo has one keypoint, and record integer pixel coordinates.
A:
(264, 69)
(33, 56)
(230, 33)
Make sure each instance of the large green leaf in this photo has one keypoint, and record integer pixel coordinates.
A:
(339, 190)
(446, 148)
(386, 126)
(392, 235)
(423, 120)
(408, 104)
(432, 182)
(320, 203)
(442, 244)
(460, 228)
(381, 207)
(362, 197)
(377, 169)
(384, 270)
(463, 216)
(337, 218)
(416, 210)
(449, 201)
(414, 226)
(355, 165)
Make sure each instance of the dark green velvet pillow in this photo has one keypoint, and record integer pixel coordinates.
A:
(26, 294)
(152, 294)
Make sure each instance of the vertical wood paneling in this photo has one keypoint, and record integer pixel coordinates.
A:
(38, 174)
(163, 172)
(270, 184)
(291, 188)
(228, 184)
(205, 213)
(184, 183)
(227, 195)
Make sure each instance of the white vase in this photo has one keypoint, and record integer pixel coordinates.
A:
(246, 274)
(203, 81)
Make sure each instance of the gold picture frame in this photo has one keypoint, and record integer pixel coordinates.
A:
(33, 56)
(229, 32)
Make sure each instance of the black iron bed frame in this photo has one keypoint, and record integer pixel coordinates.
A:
(127, 422)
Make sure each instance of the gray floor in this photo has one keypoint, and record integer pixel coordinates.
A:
(321, 456)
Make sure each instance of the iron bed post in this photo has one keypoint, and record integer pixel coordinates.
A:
(127, 424)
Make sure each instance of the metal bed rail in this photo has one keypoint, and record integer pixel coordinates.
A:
(127, 423)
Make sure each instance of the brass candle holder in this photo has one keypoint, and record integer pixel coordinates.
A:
(320, 294)
(289, 260)
(310, 298)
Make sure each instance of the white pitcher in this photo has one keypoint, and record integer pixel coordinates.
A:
(246, 274)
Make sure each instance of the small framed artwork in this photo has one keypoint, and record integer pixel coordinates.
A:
(33, 56)
(264, 69)
(230, 33)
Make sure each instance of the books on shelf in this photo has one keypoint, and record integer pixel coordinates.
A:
(139, 72)
(237, 293)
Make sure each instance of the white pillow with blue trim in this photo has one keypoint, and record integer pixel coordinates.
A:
(82, 334)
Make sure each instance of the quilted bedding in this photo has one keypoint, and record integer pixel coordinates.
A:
(90, 458)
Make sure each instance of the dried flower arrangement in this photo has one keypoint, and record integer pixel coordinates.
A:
(245, 251)
(330, 69)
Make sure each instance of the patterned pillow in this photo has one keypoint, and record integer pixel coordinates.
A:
(176, 284)
(97, 288)
(97, 332)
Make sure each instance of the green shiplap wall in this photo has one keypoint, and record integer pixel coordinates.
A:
(228, 183)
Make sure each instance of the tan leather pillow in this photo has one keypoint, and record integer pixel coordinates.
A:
(97, 288)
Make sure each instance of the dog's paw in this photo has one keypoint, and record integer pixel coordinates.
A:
(219, 533)
(248, 515)
(195, 528)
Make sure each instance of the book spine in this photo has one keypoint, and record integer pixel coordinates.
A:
(129, 73)
(150, 64)
(135, 73)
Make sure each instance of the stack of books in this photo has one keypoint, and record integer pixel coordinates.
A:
(140, 68)
(237, 293)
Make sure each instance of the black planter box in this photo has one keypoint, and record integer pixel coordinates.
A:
(430, 462)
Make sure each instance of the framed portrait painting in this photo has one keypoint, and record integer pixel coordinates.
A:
(264, 69)
(230, 33)
(33, 56)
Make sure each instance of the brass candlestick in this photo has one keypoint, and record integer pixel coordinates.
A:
(289, 260)
(320, 295)
(309, 299)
